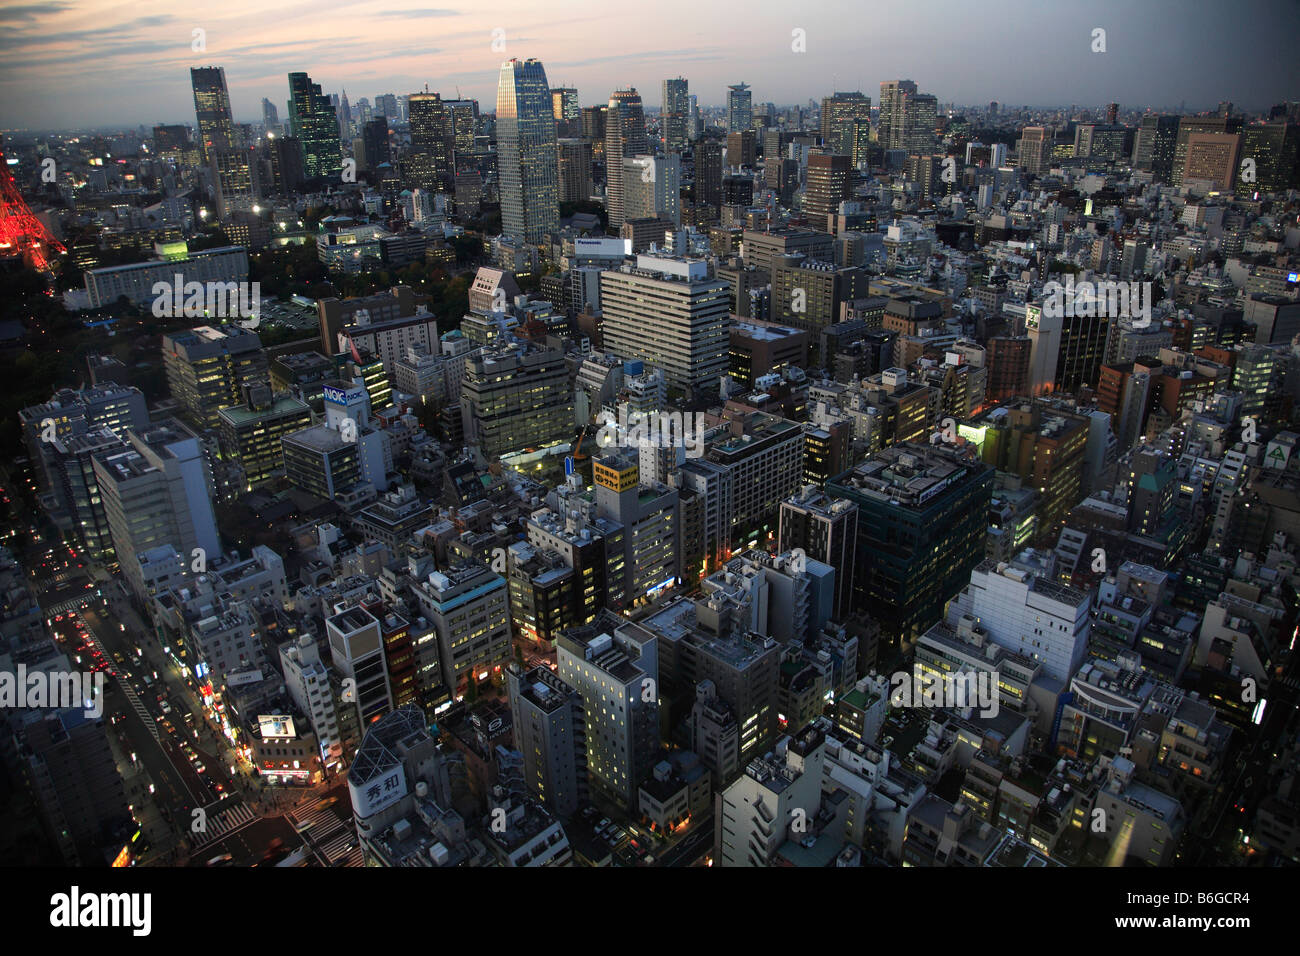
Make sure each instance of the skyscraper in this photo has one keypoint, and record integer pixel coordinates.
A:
(838, 113)
(907, 117)
(526, 152)
(624, 138)
(270, 116)
(740, 111)
(1187, 125)
(708, 173)
(212, 109)
(345, 117)
(1153, 149)
(429, 164)
(676, 114)
(574, 159)
(564, 106)
(1035, 149)
(829, 184)
(1275, 147)
(374, 139)
(314, 123)
(891, 105)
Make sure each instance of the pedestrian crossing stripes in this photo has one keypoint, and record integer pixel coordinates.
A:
(142, 712)
(222, 823)
(63, 607)
(332, 840)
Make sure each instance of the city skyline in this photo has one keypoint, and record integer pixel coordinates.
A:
(60, 77)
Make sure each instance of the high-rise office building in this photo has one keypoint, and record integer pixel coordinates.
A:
(1066, 351)
(1026, 611)
(463, 120)
(675, 116)
(429, 165)
(839, 111)
(907, 117)
(208, 368)
(923, 514)
(212, 109)
(286, 165)
(652, 188)
(829, 184)
(357, 651)
(1213, 158)
(1035, 149)
(614, 667)
(314, 124)
(1153, 146)
(516, 396)
(891, 111)
(625, 137)
(574, 162)
(740, 108)
(1100, 141)
(670, 314)
(1187, 125)
(270, 116)
(551, 733)
(594, 121)
(374, 143)
(826, 529)
(708, 173)
(567, 113)
(530, 204)
(469, 606)
(236, 176)
(1275, 148)
(158, 492)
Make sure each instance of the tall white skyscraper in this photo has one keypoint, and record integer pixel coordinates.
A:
(624, 137)
(530, 204)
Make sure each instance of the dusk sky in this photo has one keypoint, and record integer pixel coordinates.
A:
(68, 63)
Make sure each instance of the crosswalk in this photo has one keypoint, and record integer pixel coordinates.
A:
(333, 841)
(223, 823)
(63, 607)
(141, 711)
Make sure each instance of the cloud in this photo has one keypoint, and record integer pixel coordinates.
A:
(34, 11)
(414, 14)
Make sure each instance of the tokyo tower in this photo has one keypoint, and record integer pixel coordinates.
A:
(21, 233)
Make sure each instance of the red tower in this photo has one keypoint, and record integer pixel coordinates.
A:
(21, 233)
